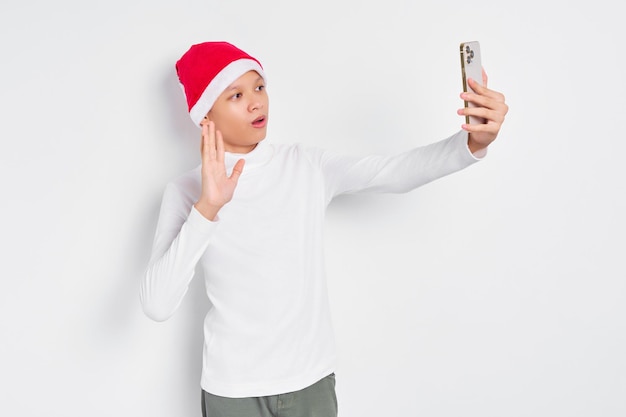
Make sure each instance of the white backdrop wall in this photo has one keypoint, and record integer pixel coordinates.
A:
(496, 291)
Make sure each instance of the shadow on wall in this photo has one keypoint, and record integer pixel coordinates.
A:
(175, 119)
(195, 305)
(187, 138)
(183, 136)
(120, 316)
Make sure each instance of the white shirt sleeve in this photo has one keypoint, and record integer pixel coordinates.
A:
(181, 238)
(399, 173)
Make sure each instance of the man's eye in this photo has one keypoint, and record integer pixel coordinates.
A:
(260, 88)
(236, 96)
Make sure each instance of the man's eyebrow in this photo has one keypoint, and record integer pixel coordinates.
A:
(235, 86)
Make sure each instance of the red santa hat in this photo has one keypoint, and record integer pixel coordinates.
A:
(206, 69)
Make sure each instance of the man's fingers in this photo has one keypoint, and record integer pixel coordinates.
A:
(211, 142)
(491, 116)
(482, 90)
(237, 170)
(478, 87)
(494, 101)
(219, 146)
(204, 138)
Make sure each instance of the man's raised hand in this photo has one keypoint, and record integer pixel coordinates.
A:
(217, 187)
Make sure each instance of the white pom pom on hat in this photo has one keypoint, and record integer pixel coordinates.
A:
(206, 69)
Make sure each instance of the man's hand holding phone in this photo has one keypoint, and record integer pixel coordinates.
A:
(484, 109)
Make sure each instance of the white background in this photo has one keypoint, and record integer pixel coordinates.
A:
(497, 291)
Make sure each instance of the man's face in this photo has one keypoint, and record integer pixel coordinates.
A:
(240, 113)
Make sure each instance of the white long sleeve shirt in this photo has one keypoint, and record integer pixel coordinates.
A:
(269, 329)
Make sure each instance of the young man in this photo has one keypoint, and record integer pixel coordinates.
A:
(252, 216)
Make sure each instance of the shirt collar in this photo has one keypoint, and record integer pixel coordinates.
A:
(259, 156)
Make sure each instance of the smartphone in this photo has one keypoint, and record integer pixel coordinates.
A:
(471, 67)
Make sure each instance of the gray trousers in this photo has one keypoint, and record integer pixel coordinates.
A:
(317, 400)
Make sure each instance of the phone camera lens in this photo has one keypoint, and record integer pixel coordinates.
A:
(469, 60)
(467, 49)
(472, 54)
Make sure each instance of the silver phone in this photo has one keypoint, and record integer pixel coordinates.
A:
(471, 67)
